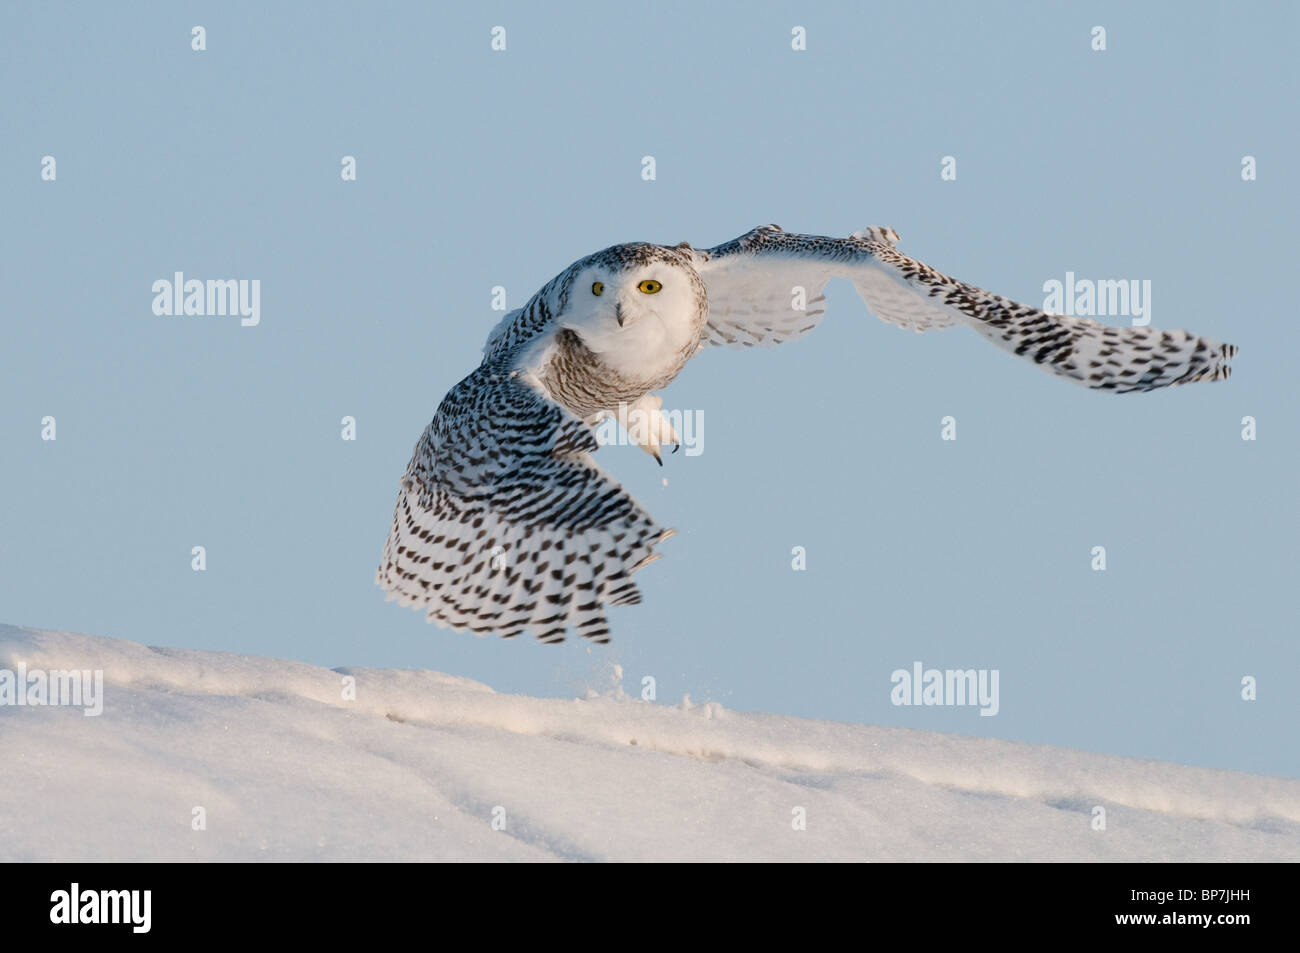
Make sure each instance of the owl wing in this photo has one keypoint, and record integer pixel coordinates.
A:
(765, 287)
(505, 524)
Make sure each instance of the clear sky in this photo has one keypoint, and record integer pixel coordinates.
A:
(478, 168)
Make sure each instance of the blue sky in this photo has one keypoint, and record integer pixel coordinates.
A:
(478, 168)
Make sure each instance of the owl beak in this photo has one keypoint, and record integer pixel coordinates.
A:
(618, 314)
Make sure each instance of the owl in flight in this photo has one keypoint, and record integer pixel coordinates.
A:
(504, 523)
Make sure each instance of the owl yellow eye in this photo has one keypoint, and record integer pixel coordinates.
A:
(649, 287)
(598, 288)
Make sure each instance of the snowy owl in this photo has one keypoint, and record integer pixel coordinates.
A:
(504, 523)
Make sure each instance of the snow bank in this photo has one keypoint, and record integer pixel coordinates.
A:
(281, 764)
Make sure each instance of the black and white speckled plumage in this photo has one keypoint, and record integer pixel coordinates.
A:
(911, 294)
(504, 523)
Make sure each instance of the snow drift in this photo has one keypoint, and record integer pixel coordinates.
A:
(212, 756)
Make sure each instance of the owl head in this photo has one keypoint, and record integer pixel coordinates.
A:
(636, 302)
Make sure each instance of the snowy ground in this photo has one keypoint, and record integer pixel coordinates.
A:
(285, 768)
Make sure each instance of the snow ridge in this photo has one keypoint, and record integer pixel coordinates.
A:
(284, 762)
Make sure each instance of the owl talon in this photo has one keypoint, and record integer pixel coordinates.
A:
(646, 426)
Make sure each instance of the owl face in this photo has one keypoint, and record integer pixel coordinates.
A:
(636, 304)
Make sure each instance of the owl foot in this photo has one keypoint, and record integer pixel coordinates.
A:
(647, 427)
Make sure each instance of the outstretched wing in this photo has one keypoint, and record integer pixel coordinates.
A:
(756, 283)
(505, 524)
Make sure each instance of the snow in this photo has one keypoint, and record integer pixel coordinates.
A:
(284, 767)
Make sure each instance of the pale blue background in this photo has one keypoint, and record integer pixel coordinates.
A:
(479, 168)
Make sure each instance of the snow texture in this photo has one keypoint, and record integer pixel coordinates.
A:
(285, 768)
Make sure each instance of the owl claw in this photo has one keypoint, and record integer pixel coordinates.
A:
(647, 427)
